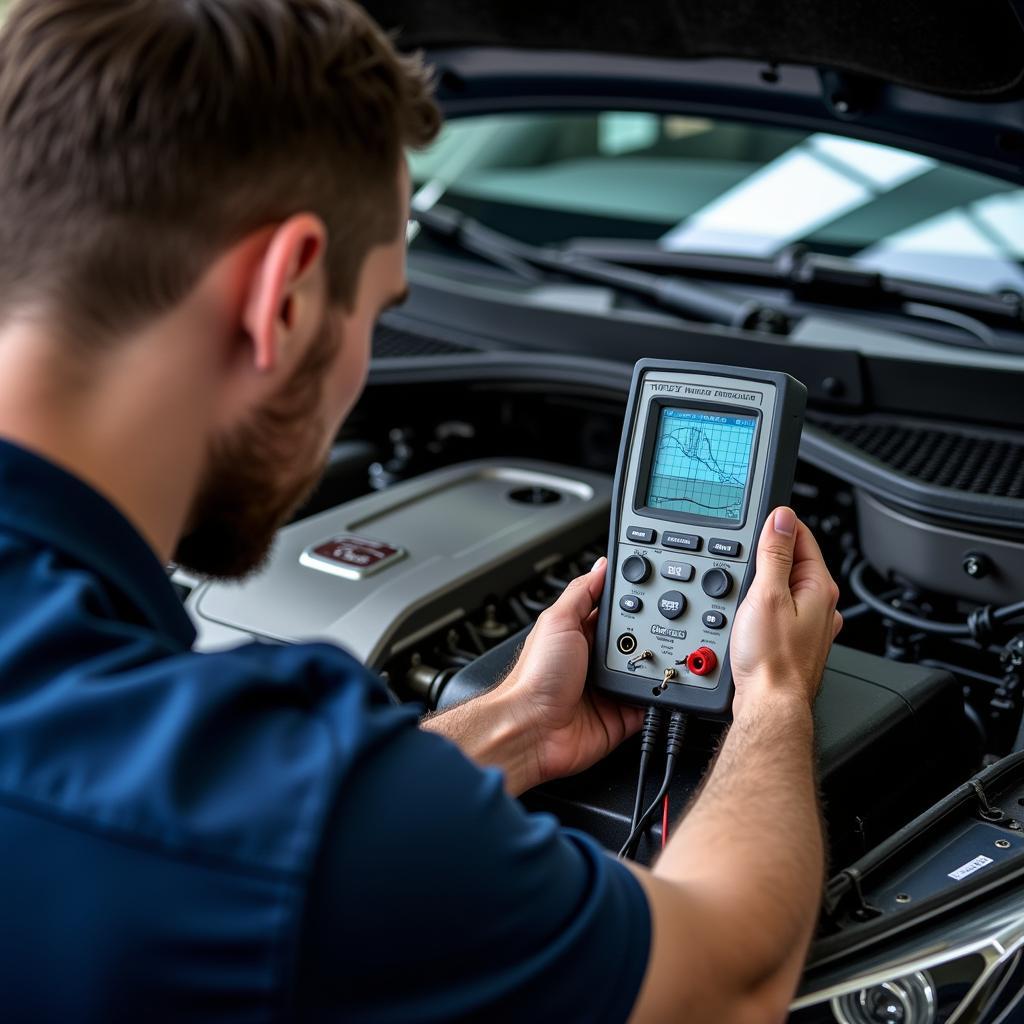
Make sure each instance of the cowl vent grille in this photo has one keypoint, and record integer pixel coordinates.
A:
(969, 463)
(393, 343)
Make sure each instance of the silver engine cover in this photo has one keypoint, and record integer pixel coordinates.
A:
(379, 573)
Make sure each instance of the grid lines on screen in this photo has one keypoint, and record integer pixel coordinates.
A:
(701, 462)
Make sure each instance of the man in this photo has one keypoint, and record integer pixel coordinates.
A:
(202, 209)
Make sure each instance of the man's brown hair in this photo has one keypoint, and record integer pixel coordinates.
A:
(140, 138)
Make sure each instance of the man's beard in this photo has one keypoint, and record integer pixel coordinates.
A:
(257, 478)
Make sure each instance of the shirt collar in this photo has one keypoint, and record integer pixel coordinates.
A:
(43, 501)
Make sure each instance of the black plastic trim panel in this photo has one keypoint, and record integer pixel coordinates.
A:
(398, 337)
(819, 446)
(395, 343)
(983, 135)
(822, 446)
(833, 377)
(988, 463)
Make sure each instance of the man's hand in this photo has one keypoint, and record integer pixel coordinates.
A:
(572, 726)
(750, 847)
(786, 624)
(542, 722)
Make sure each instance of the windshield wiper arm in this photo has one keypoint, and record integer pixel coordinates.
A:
(678, 297)
(475, 238)
(817, 277)
(814, 277)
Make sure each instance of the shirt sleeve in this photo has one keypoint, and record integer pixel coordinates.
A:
(436, 897)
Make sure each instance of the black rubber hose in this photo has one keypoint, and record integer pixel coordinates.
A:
(982, 621)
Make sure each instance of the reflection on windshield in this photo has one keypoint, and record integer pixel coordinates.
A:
(809, 186)
(989, 231)
(695, 185)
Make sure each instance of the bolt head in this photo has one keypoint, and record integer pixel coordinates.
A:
(832, 386)
(976, 565)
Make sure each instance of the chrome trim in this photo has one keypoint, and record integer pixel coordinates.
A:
(896, 988)
(997, 945)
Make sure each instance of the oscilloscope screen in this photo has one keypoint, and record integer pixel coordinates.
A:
(699, 464)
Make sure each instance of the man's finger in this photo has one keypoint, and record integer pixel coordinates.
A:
(775, 549)
(806, 549)
(632, 717)
(810, 573)
(590, 628)
(595, 578)
(578, 599)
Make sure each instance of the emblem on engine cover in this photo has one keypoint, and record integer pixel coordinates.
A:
(350, 557)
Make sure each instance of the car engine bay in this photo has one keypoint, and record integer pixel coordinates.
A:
(489, 490)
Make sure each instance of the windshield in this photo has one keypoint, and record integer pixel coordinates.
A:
(701, 186)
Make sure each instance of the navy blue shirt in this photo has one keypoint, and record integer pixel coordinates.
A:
(257, 834)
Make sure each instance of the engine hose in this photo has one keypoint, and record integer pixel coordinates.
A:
(980, 626)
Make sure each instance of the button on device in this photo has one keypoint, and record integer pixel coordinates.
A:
(713, 620)
(682, 571)
(641, 534)
(672, 604)
(630, 603)
(682, 541)
(729, 548)
(716, 583)
(636, 569)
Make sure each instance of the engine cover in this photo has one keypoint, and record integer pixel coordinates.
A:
(381, 572)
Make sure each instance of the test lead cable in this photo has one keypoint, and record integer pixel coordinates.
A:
(653, 720)
(674, 744)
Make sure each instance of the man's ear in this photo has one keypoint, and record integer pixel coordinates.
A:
(284, 306)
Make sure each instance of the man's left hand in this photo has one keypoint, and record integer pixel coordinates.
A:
(572, 726)
(543, 722)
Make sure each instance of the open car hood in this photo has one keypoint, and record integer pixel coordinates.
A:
(945, 79)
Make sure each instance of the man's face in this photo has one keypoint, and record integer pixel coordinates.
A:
(264, 471)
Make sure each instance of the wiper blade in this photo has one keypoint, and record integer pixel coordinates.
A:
(669, 293)
(475, 238)
(815, 277)
(818, 277)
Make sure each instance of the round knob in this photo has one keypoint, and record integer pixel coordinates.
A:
(716, 583)
(636, 569)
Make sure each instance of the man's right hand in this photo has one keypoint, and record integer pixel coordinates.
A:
(735, 895)
(788, 620)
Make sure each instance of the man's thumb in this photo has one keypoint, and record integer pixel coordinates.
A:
(577, 601)
(775, 548)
